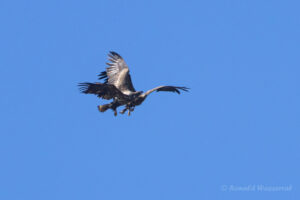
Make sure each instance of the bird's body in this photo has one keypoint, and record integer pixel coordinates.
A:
(118, 86)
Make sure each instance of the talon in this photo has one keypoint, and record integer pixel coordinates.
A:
(128, 112)
(115, 113)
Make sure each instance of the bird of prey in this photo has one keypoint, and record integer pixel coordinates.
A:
(117, 86)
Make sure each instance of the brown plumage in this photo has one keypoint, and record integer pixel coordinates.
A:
(118, 86)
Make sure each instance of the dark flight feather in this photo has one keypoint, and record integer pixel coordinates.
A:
(167, 89)
(172, 89)
(104, 91)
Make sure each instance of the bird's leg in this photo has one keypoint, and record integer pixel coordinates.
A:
(131, 109)
(114, 105)
(128, 112)
(127, 107)
(115, 112)
(124, 110)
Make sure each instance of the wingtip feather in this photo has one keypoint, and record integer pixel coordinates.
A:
(114, 54)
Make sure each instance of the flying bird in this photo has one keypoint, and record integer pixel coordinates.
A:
(118, 86)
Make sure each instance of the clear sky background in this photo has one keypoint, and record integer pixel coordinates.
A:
(239, 125)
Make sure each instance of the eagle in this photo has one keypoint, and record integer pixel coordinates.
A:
(117, 85)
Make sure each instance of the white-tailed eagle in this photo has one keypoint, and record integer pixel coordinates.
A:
(117, 85)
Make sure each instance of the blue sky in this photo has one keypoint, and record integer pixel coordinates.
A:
(238, 126)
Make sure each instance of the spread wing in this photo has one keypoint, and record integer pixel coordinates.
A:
(167, 89)
(103, 91)
(117, 74)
